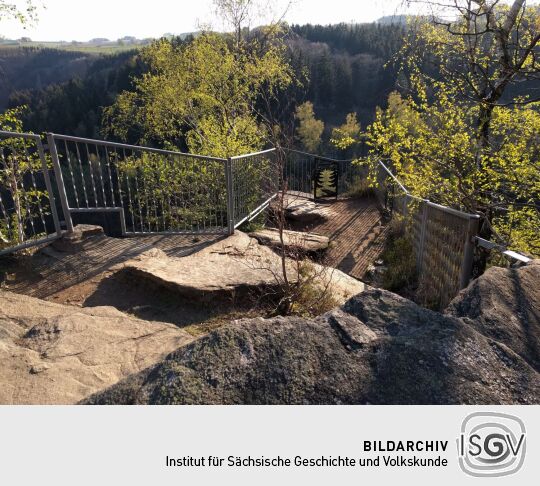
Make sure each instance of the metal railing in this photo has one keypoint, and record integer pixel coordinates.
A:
(28, 215)
(442, 237)
(152, 191)
(254, 184)
(300, 168)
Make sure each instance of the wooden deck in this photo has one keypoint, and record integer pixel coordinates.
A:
(357, 234)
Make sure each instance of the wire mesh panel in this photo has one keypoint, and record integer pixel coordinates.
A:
(255, 182)
(298, 172)
(353, 178)
(154, 191)
(28, 214)
(446, 237)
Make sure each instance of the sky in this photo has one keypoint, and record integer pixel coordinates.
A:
(112, 19)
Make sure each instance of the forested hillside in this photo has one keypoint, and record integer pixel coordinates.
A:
(75, 106)
(35, 68)
(344, 64)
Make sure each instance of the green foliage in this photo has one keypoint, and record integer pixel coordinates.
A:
(171, 183)
(16, 164)
(401, 264)
(66, 103)
(433, 150)
(454, 138)
(311, 295)
(205, 91)
(309, 130)
(25, 14)
(348, 134)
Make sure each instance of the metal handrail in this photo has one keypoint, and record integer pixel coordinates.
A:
(132, 147)
(29, 136)
(329, 159)
(262, 152)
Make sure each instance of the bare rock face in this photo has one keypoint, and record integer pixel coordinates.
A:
(58, 354)
(231, 267)
(504, 304)
(378, 348)
(73, 242)
(304, 210)
(296, 241)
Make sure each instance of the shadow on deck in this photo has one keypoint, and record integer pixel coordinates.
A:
(356, 232)
(48, 273)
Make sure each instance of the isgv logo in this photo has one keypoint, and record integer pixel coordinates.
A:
(491, 444)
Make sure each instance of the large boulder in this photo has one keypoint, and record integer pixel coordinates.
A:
(504, 304)
(378, 348)
(231, 268)
(303, 210)
(59, 354)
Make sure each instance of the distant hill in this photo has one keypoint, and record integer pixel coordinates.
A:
(393, 20)
(35, 68)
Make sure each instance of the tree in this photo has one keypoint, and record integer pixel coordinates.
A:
(19, 164)
(348, 134)
(309, 130)
(203, 93)
(26, 14)
(465, 131)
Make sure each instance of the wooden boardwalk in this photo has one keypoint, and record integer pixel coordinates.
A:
(357, 234)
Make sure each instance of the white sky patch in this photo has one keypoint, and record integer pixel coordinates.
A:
(112, 19)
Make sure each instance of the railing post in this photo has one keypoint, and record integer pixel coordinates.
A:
(230, 195)
(422, 239)
(48, 185)
(405, 205)
(60, 182)
(468, 252)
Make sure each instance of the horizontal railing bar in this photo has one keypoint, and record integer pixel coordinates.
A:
(256, 211)
(30, 244)
(29, 136)
(91, 141)
(262, 152)
(99, 209)
(218, 231)
(455, 212)
(490, 245)
(389, 172)
(317, 156)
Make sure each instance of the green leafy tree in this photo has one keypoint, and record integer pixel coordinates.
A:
(309, 130)
(17, 164)
(204, 92)
(459, 135)
(25, 14)
(348, 134)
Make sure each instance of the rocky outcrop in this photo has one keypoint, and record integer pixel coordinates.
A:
(377, 348)
(294, 241)
(304, 210)
(59, 354)
(74, 242)
(230, 268)
(504, 304)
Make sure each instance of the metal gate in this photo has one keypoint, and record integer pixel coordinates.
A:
(325, 179)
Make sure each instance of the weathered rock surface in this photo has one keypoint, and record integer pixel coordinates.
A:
(378, 348)
(304, 210)
(229, 268)
(58, 354)
(73, 242)
(504, 304)
(292, 240)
